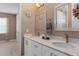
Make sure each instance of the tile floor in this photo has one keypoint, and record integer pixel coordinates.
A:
(9, 48)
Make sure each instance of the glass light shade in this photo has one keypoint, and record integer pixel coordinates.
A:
(39, 4)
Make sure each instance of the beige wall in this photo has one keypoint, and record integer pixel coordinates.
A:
(28, 22)
(11, 26)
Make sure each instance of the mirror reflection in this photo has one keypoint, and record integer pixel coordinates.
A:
(61, 17)
(75, 17)
(67, 17)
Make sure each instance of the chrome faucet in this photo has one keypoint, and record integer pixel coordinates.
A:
(67, 38)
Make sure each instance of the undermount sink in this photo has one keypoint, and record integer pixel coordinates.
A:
(63, 45)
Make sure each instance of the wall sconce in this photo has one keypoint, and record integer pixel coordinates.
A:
(28, 14)
(39, 5)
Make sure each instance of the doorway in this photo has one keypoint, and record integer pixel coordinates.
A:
(7, 26)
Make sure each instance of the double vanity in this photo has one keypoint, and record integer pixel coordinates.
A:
(56, 46)
(63, 22)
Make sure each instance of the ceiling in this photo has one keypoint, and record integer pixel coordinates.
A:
(11, 8)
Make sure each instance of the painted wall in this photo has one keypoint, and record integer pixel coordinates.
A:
(19, 27)
(28, 22)
(25, 22)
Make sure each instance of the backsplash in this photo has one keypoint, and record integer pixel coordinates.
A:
(71, 40)
(72, 34)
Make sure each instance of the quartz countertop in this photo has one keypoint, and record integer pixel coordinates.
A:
(71, 51)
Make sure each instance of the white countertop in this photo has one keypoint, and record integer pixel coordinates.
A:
(72, 51)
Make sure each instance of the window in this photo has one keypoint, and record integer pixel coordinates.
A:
(3, 25)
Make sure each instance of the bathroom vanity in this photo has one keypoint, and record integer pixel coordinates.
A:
(36, 46)
(33, 48)
(56, 46)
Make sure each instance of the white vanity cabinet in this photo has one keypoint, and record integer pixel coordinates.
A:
(58, 53)
(47, 51)
(32, 48)
(51, 52)
(27, 47)
(36, 49)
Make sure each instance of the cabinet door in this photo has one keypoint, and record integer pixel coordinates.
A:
(27, 47)
(47, 51)
(57, 53)
(51, 52)
(36, 49)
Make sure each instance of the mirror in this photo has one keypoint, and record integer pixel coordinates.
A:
(61, 18)
(67, 17)
(75, 17)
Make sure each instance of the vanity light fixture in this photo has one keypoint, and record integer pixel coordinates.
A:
(39, 5)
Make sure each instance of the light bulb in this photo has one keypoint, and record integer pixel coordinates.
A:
(37, 4)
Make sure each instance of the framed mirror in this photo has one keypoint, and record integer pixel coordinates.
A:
(61, 17)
